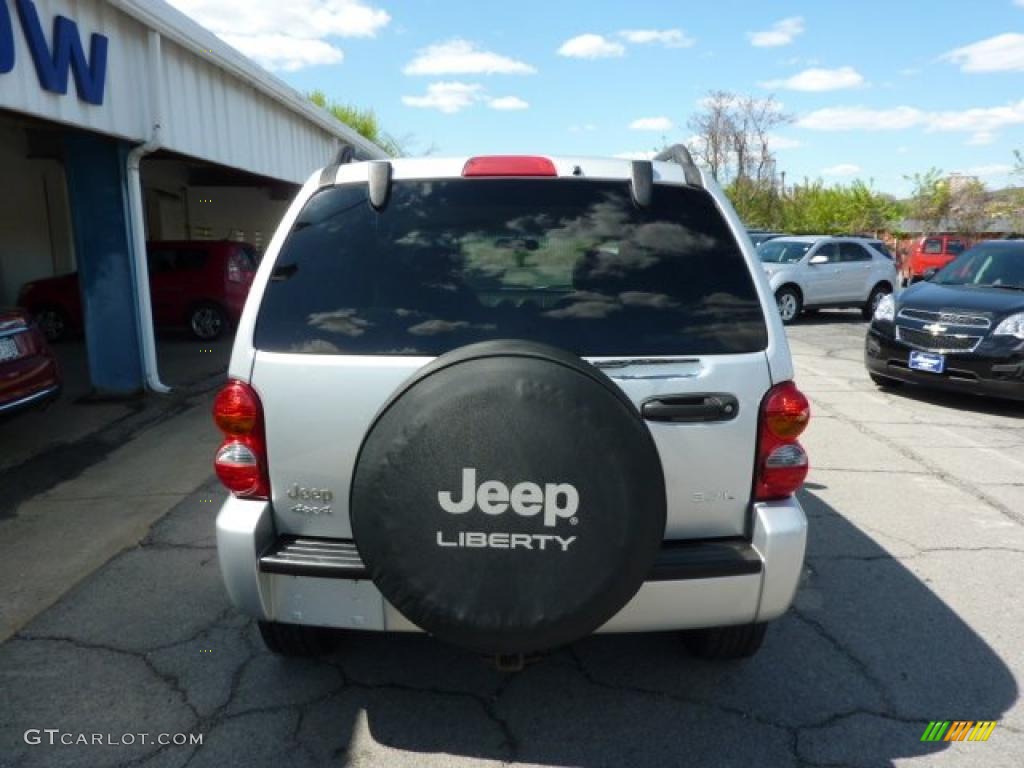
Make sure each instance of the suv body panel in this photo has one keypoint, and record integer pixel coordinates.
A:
(933, 252)
(709, 491)
(837, 283)
(174, 292)
(245, 529)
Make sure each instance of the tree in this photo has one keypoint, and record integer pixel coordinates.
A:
(733, 140)
(733, 136)
(930, 200)
(362, 121)
(969, 208)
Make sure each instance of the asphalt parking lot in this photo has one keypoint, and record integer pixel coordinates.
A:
(911, 610)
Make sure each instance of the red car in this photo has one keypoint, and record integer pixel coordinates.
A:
(28, 370)
(198, 285)
(932, 252)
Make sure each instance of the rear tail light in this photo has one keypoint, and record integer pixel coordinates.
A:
(241, 460)
(509, 165)
(235, 268)
(781, 461)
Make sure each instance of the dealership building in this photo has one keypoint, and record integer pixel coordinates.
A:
(123, 121)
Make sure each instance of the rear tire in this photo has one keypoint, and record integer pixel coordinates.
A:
(874, 297)
(723, 643)
(789, 303)
(884, 382)
(298, 640)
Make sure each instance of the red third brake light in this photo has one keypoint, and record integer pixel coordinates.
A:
(781, 461)
(241, 460)
(509, 165)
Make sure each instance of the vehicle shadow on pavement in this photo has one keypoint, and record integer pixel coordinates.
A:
(989, 406)
(851, 675)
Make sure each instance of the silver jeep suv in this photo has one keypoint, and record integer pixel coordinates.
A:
(511, 401)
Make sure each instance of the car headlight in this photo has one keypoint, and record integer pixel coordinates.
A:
(886, 309)
(1011, 326)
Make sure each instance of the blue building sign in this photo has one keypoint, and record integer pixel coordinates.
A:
(55, 61)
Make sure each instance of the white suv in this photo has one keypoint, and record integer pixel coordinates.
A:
(818, 271)
(511, 401)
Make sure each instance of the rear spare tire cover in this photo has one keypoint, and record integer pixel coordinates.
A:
(508, 498)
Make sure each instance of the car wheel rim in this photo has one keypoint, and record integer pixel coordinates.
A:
(206, 323)
(787, 306)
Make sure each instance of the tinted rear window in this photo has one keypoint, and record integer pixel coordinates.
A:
(933, 245)
(569, 263)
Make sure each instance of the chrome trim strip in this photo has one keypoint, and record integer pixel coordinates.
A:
(940, 350)
(927, 315)
(625, 362)
(29, 399)
(14, 331)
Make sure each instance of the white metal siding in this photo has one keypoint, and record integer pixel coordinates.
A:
(124, 109)
(210, 115)
(217, 105)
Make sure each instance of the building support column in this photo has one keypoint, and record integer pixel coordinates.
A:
(97, 179)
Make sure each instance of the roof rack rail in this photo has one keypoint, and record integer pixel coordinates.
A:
(346, 154)
(680, 155)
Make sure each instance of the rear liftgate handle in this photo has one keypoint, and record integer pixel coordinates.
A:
(691, 408)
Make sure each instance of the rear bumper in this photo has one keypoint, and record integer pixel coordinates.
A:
(694, 584)
(28, 381)
(977, 373)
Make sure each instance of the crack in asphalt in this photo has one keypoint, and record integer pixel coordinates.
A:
(861, 665)
(935, 470)
(487, 704)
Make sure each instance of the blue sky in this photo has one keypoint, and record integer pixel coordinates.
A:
(878, 89)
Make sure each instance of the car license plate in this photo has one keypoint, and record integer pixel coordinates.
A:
(929, 362)
(8, 350)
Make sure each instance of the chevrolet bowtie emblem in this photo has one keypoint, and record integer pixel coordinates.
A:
(936, 328)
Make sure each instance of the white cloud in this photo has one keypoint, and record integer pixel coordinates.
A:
(651, 124)
(590, 46)
(982, 138)
(780, 33)
(670, 38)
(462, 57)
(641, 155)
(1002, 53)
(843, 169)
(283, 53)
(817, 80)
(992, 169)
(980, 122)
(287, 36)
(778, 143)
(506, 103)
(861, 119)
(447, 97)
(978, 119)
